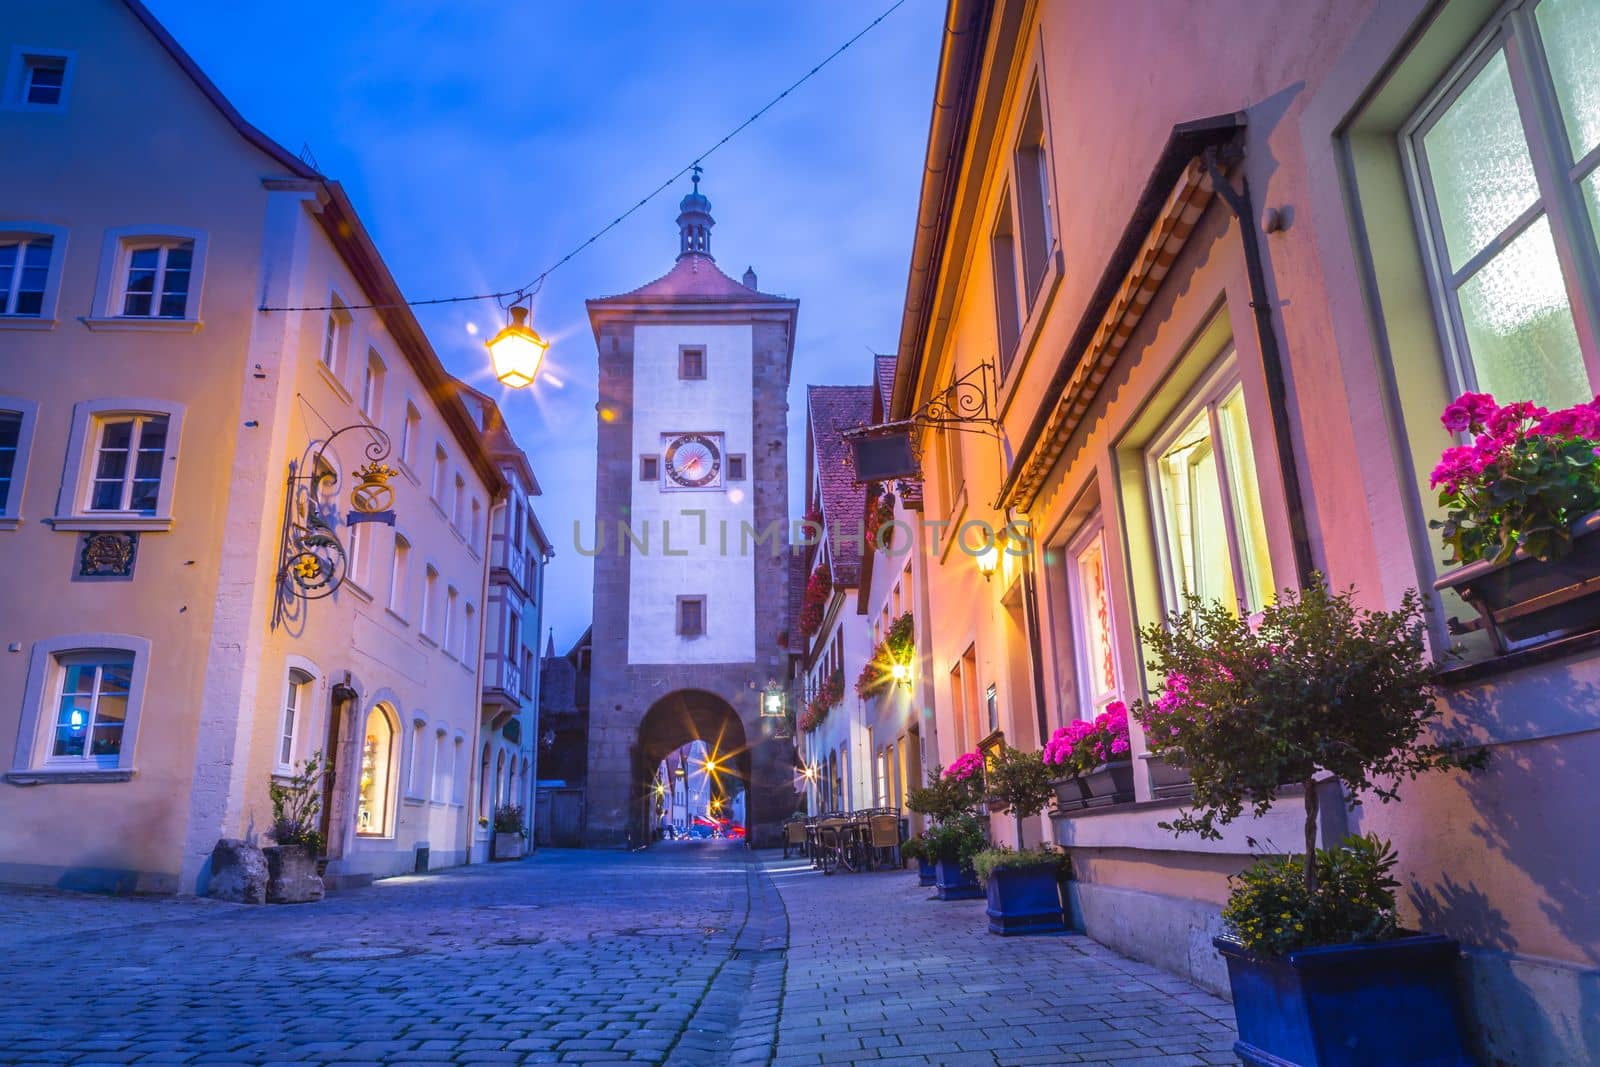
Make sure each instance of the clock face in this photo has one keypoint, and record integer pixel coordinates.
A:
(694, 461)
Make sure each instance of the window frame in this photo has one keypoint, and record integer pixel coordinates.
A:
(737, 467)
(373, 379)
(399, 599)
(1215, 386)
(650, 468)
(1511, 31)
(1091, 530)
(410, 433)
(685, 354)
(309, 676)
(391, 773)
(333, 340)
(115, 253)
(22, 231)
(18, 79)
(11, 503)
(683, 601)
(72, 512)
(30, 763)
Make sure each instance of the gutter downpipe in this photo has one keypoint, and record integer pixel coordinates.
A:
(1271, 363)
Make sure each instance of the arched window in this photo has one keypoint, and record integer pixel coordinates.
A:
(500, 779)
(458, 766)
(375, 790)
(485, 798)
(417, 778)
(441, 768)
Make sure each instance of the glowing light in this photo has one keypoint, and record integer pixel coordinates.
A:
(552, 380)
(608, 415)
(472, 328)
(900, 672)
(517, 351)
(735, 496)
(988, 560)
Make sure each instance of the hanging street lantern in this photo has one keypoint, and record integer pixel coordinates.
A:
(517, 351)
(772, 700)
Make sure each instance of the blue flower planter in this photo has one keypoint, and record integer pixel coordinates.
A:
(1024, 900)
(927, 872)
(956, 881)
(1389, 1002)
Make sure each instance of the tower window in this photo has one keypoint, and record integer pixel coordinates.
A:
(649, 468)
(736, 468)
(691, 616)
(691, 362)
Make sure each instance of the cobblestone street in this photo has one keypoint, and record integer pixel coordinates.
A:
(682, 955)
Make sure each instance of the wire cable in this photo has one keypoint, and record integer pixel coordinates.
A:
(524, 292)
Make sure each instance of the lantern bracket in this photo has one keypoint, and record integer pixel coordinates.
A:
(893, 450)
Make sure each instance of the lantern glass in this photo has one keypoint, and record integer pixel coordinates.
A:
(517, 351)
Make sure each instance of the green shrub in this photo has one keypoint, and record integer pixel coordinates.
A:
(1271, 911)
(508, 819)
(296, 805)
(944, 798)
(993, 859)
(958, 838)
(913, 849)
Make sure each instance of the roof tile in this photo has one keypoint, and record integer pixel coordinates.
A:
(833, 409)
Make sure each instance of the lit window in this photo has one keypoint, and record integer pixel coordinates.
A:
(24, 275)
(377, 771)
(92, 709)
(1500, 202)
(130, 452)
(156, 279)
(1213, 536)
(1088, 585)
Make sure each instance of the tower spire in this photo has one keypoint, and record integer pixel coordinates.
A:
(695, 221)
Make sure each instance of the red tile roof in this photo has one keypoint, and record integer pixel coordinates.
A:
(797, 596)
(693, 278)
(833, 409)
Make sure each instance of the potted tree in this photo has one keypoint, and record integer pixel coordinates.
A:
(1022, 886)
(292, 873)
(508, 832)
(955, 836)
(1522, 511)
(1317, 688)
(1091, 759)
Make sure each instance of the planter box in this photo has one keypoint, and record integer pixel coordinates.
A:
(955, 880)
(1168, 779)
(506, 847)
(1524, 598)
(292, 875)
(1107, 784)
(1024, 900)
(1389, 1002)
(927, 872)
(1071, 793)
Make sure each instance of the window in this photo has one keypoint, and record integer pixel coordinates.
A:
(736, 467)
(417, 777)
(469, 637)
(295, 698)
(1510, 210)
(399, 576)
(964, 699)
(691, 362)
(881, 780)
(691, 616)
(1089, 608)
(649, 468)
(335, 335)
(1003, 255)
(374, 794)
(155, 279)
(92, 708)
(408, 435)
(441, 768)
(372, 387)
(477, 523)
(16, 438)
(129, 454)
(1212, 536)
(458, 764)
(458, 504)
(38, 79)
(485, 799)
(24, 274)
(448, 640)
(441, 462)
(430, 603)
(1033, 197)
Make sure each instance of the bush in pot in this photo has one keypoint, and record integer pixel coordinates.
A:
(1316, 687)
(292, 865)
(915, 850)
(508, 832)
(1023, 896)
(952, 844)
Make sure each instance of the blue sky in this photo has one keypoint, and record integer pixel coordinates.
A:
(481, 142)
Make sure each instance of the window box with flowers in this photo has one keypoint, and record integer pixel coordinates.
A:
(829, 694)
(1091, 760)
(818, 586)
(896, 649)
(1522, 507)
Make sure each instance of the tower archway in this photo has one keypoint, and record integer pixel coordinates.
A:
(678, 719)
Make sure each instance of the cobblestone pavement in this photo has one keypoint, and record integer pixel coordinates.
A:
(672, 956)
(877, 973)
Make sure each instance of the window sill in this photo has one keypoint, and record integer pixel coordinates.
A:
(333, 381)
(1470, 673)
(405, 468)
(25, 322)
(427, 640)
(119, 522)
(398, 617)
(355, 587)
(415, 802)
(140, 324)
(65, 777)
(439, 509)
(10, 522)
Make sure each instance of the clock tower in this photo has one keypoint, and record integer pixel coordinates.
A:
(691, 541)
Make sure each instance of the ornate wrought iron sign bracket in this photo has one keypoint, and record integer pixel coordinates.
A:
(893, 450)
(314, 561)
